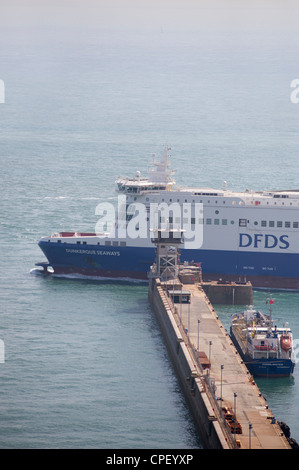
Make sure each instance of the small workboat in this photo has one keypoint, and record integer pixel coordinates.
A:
(267, 350)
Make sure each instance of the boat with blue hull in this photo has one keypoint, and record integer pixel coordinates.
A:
(249, 235)
(267, 350)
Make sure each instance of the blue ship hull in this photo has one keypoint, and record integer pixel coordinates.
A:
(265, 367)
(272, 270)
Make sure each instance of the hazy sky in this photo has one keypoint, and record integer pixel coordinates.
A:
(138, 14)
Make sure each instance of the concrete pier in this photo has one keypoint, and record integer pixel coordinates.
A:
(212, 374)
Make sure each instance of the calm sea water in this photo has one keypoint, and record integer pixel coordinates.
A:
(85, 363)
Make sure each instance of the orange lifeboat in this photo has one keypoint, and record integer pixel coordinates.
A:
(285, 342)
(262, 347)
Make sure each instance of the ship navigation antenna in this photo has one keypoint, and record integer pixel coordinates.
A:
(271, 302)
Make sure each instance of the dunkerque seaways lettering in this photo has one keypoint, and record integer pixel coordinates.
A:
(93, 252)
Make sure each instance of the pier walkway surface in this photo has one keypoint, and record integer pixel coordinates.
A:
(233, 381)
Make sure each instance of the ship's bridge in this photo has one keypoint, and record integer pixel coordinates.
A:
(138, 185)
(159, 178)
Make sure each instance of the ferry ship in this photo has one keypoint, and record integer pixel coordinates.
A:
(267, 350)
(249, 235)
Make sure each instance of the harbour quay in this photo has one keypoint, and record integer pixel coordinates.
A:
(227, 406)
(232, 293)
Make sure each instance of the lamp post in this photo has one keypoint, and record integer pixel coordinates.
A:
(210, 345)
(188, 318)
(235, 413)
(198, 322)
(250, 427)
(181, 304)
(222, 367)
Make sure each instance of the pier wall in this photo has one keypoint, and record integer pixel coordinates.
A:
(193, 387)
(229, 293)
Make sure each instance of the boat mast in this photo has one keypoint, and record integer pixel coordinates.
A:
(271, 302)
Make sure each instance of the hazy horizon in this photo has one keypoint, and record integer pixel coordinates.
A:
(168, 15)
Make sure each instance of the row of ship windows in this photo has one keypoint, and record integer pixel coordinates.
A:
(240, 202)
(233, 202)
(242, 222)
(245, 222)
(270, 223)
(107, 243)
(209, 221)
